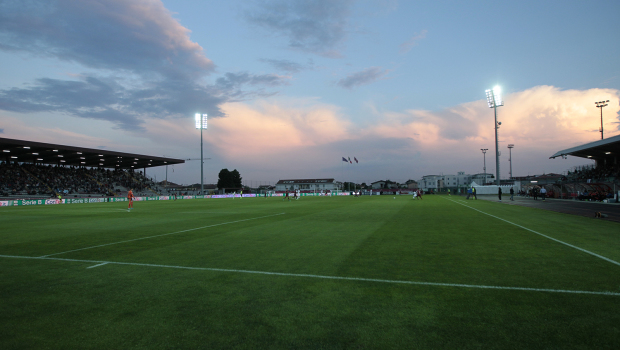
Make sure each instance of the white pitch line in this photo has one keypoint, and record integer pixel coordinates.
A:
(540, 234)
(357, 279)
(90, 267)
(164, 234)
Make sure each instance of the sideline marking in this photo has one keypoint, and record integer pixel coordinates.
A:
(540, 234)
(90, 267)
(359, 279)
(164, 234)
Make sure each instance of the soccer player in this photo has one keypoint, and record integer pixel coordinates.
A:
(130, 197)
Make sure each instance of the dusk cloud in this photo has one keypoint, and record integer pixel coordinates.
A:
(319, 26)
(287, 65)
(413, 41)
(128, 108)
(117, 37)
(539, 121)
(140, 36)
(364, 77)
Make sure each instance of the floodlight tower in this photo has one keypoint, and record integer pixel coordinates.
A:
(510, 147)
(494, 100)
(484, 164)
(600, 105)
(201, 123)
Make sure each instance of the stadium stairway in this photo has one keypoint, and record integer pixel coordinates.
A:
(43, 182)
(99, 183)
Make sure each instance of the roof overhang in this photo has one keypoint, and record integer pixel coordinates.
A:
(47, 153)
(594, 150)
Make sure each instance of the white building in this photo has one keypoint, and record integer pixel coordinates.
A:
(453, 182)
(308, 185)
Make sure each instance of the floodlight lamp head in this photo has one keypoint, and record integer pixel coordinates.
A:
(201, 123)
(494, 97)
(490, 98)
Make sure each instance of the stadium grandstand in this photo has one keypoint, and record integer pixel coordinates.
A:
(41, 170)
(599, 182)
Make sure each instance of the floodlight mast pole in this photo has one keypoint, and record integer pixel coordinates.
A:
(200, 124)
(494, 100)
(484, 164)
(202, 162)
(510, 147)
(496, 147)
(600, 105)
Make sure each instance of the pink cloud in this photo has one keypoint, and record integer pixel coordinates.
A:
(540, 121)
(265, 128)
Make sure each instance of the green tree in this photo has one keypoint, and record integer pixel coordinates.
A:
(236, 178)
(225, 179)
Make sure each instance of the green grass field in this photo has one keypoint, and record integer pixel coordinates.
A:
(317, 273)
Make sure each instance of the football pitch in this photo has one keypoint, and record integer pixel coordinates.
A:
(317, 273)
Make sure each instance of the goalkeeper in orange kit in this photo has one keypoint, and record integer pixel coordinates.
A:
(130, 198)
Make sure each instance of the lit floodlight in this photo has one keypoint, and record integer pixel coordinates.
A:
(203, 119)
(489, 98)
(494, 97)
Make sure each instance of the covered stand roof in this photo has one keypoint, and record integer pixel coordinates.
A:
(598, 150)
(47, 153)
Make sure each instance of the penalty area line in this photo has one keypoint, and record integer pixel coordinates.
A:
(540, 234)
(340, 278)
(164, 234)
(90, 267)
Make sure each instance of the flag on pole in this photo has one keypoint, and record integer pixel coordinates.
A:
(344, 159)
(350, 160)
(355, 160)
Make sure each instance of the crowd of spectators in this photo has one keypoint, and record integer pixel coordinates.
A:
(47, 180)
(15, 180)
(594, 174)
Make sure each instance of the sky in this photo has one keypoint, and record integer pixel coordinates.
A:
(292, 86)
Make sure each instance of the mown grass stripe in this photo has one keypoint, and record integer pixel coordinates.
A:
(161, 235)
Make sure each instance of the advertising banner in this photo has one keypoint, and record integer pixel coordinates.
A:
(96, 200)
(5, 203)
(34, 201)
